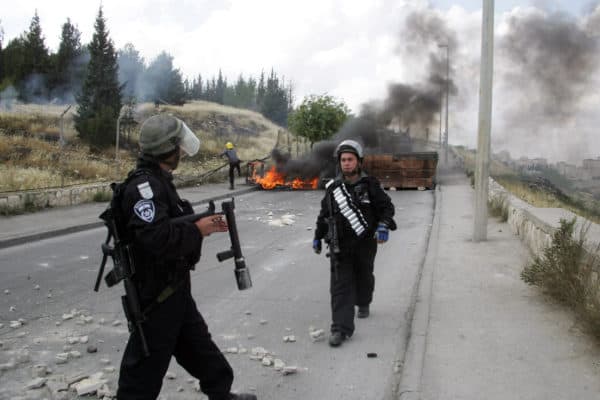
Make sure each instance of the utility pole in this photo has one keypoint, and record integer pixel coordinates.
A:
(445, 137)
(447, 96)
(482, 162)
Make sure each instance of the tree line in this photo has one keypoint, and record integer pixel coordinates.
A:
(100, 80)
(30, 72)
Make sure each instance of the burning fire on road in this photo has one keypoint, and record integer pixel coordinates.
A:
(275, 179)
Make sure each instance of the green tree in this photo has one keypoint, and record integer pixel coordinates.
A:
(318, 118)
(69, 68)
(13, 60)
(33, 85)
(131, 71)
(274, 104)
(100, 99)
(1, 55)
(164, 82)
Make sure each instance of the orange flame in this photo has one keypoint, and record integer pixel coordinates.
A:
(274, 179)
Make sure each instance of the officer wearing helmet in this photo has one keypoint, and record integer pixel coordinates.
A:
(164, 252)
(234, 162)
(362, 215)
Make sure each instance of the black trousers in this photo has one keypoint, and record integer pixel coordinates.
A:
(232, 167)
(352, 284)
(174, 328)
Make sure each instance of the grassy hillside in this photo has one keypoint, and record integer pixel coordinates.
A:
(31, 156)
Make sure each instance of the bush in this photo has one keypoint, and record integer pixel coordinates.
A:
(569, 274)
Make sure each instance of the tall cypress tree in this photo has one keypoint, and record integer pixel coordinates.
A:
(1, 56)
(36, 63)
(131, 72)
(100, 99)
(68, 72)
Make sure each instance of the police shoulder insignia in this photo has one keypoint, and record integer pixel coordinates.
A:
(144, 209)
(145, 190)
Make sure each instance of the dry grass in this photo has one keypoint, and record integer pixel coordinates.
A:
(532, 194)
(31, 157)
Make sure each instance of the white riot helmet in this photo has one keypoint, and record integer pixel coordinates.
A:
(163, 133)
(349, 146)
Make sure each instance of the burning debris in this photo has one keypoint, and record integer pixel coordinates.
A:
(276, 179)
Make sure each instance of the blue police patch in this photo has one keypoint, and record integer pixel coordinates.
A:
(144, 209)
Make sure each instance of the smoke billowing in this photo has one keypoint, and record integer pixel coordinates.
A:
(554, 58)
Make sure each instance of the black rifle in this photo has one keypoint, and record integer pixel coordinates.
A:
(333, 238)
(123, 270)
(242, 274)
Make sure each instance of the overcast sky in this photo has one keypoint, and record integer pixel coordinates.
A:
(341, 47)
(351, 49)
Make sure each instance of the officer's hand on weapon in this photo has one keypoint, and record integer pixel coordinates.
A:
(383, 233)
(317, 246)
(211, 224)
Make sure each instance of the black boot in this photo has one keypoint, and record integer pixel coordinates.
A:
(363, 312)
(336, 338)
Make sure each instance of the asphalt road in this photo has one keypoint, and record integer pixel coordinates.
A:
(290, 296)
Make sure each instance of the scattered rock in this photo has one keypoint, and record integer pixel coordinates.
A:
(58, 323)
(105, 361)
(289, 339)
(263, 322)
(35, 383)
(49, 295)
(197, 385)
(84, 339)
(72, 340)
(102, 321)
(61, 358)
(289, 370)
(231, 350)
(78, 377)
(39, 370)
(267, 361)
(317, 335)
(15, 324)
(248, 312)
(179, 389)
(67, 348)
(278, 364)
(75, 354)
(68, 316)
(37, 287)
(116, 322)
(6, 291)
(89, 385)
(92, 349)
(110, 369)
(8, 365)
(104, 391)
(12, 309)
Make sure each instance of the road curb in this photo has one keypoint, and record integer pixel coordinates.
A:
(414, 357)
(15, 241)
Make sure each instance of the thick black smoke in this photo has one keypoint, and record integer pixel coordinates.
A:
(410, 109)
(553, 59)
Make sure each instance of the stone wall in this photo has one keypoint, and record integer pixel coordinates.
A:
(59, 197)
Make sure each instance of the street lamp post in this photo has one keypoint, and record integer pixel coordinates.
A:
(447, 47)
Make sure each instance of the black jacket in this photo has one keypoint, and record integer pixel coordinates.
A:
(164, 252)
(375, 205)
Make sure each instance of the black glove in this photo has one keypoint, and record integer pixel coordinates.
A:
(317, 246)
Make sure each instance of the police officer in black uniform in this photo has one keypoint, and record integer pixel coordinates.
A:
(164, 252)
(363, 215)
